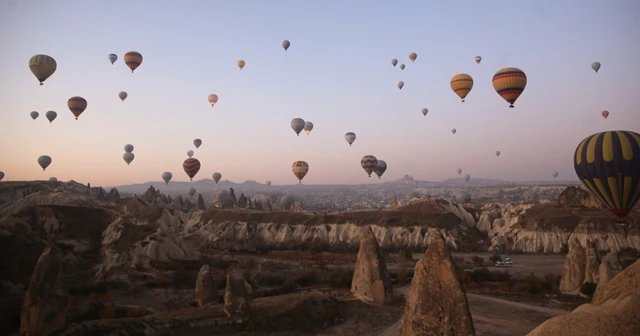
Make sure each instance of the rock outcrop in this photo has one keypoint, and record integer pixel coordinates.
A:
(609, 268)
(574, 269)
(371, 282)
(206, 291)
(578, 197)
(200, 203)
(113, 195)
(437, 303)
(237, 296)
(45, 303)
(613, 311)
(592, 263)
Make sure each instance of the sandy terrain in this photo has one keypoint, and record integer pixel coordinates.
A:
(496, 317)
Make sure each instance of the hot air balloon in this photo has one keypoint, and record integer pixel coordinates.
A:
(467, 177)
(113, 58)
(166, 177)
(555, 174)
(369, 164)
(402, 66)
(308, 126)
(350, 137)
(197, 143)
(300, 169)
(77, 105)
(478, 59)
(463, 197)
(241, 64)
(192, 191)
(213, 99)
(509, 84)
(596, 66)
(400, 85)
(191, 166)
(297, 124)
(34, 115)
(133, 59)
(425, 111)
(128, 148)
(1, 175)
(394, 62)
(497, 153)
(42, 66)
(413, 56)
(44, 161)
(268, 183)
(53, 179)
(381, 167)
(286, 44)
(190, 153)
(605, 114)
(128, 157)
(459, 171)
(216, 177)
(453, 131)
(608, 164)
(461, 84)
(51, 116)
(123, 95)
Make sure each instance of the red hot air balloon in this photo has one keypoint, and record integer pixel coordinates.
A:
(191, 166)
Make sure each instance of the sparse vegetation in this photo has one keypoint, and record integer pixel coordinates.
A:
(588, 288)
(477, 261)
(495, 258)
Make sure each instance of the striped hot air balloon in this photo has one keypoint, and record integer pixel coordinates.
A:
(42, 66)
(509, 84)
(300, 169)
(77, 105)
(133, 59)
(608, 164)
(461, 84)
(191, 166)
(369, 164)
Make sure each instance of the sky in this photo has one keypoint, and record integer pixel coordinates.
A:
(337, 74)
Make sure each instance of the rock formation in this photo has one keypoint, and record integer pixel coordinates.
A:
(242, 201)
(609, 268)
(232, 201)
(437, 303)
(574, 268)
(592, 263)
(45, 303)
(371, 282)
(113, 195)
(200, 203)
(614, 311)
(628, 281)
(237, 296)
(206, 291)
(297, 206)
(578, 197)
(394, 203)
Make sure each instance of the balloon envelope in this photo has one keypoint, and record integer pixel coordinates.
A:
(308, 127)
(425, 111)
(1, 175)
(596, 66)
(166, 177)
(133, 59)
(350, 137)
(34, 115)
(212, 98)
(241, 64)
(113, 58)
(190, 153)
(461, 84)
(44, 161)
(608, 164)
(297, 124)
(216, 177)
(123, 95)
(197, 143)
(286, 44)
(381, 167)
(191, 166)
(394, 62)
(128, 157)
(77, 105)
(605, 114)
(42, 66)
(369, 164)
(478, 59)
(128, 148)
(300, 169)
(51, 116)
(509, 83)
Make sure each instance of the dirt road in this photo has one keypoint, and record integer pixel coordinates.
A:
(496, 317)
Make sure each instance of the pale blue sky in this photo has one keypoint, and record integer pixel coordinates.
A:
(336, 74)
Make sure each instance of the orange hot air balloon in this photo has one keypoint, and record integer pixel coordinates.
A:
(461, 84)
(509, 84)
(77, 105)
(605, 114)
(191, 166)
(133, 59)
(300, 169)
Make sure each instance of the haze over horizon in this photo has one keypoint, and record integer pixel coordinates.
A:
(337, 74)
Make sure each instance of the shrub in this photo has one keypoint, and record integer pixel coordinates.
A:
(459, 261)
(108, 312)
(495, 258)
(307, 278)
(402, 271)
(340, 277)
(465, 278)
(588, 288)
(477, 261)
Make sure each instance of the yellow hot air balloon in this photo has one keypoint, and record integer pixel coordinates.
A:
(213, 99)
(77, 105)
(509, 84)
(42, 66)
(133, 59)
(461, 84)
(241, 64)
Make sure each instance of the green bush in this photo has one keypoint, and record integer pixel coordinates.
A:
(588, 288)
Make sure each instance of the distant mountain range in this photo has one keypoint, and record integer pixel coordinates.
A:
(209, 184)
